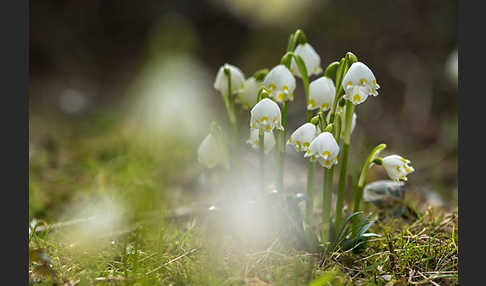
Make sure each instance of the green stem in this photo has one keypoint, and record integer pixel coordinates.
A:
(344, 162)
(230, 109)
(362, 178)
(281, 160)
(310, 192)
(261, 143)
(326, 202)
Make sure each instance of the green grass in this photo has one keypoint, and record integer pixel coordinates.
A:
(80, 166)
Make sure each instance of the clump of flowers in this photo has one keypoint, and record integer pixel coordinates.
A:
(331, 99)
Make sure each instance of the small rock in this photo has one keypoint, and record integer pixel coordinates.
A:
(384, 193)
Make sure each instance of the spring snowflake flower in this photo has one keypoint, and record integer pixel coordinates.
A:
(249, 95)
(266, 115)
(303, 136)
(209, 152)
(323, 148)
(311, 60)
(321, 94)
(268, 140)
(358, 83)
(281, 83)
(237, 79)
(397, 167)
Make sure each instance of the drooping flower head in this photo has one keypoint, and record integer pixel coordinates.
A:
(303, 136)
(321, 94)
(311, 60)
(209, 153)
(248, 96)
(281, 83)
(358, 83)
(397, 167)
(323, 148)
(268, 140)
(237, 79)
(266, 115)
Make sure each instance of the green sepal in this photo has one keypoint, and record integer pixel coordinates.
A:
(260, 74)
(331, 69)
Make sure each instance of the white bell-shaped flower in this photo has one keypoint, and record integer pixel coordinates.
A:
(323, 148)
(209, 153)
(311, 60)
(303, 136)
(266, 115)
(237, 79)
(268, 140)
(249, 95)
(397, 167)
(321, 94)
(281, 83)
(358, 83)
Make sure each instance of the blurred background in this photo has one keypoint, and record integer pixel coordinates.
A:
(148, 67)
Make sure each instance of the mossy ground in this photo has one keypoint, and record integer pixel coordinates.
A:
(109, 161)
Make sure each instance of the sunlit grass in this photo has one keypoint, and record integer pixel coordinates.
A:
(100, 160)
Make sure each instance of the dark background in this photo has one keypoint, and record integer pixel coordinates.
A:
(98, 48)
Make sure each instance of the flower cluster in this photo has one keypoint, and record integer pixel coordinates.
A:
(331, 100)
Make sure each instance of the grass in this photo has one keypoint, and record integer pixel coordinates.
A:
(96, 165)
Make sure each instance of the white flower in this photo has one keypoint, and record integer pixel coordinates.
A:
(266, 115)
(321, 94)
(397, 167)
(268, 140)
(323, 148)
(281, 83)
(237, 79)
(358, 83)
(209, 153)
(249, 95)
(311, 60)
(303, 136)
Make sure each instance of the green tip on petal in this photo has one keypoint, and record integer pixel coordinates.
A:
(331, 69)
(351, 58)
(300, 37)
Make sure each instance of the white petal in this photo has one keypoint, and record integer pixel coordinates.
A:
(248, 96)
(311, 60)
(208, 152)
(237, 79)
(321, 94)
(281, 83)
(397, 167)
(323, 146)
(303, 136)
(357, 93)
(359, 74)
(266, 115)
(268, 141)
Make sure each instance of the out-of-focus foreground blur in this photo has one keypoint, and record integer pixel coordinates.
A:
(149, 66)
